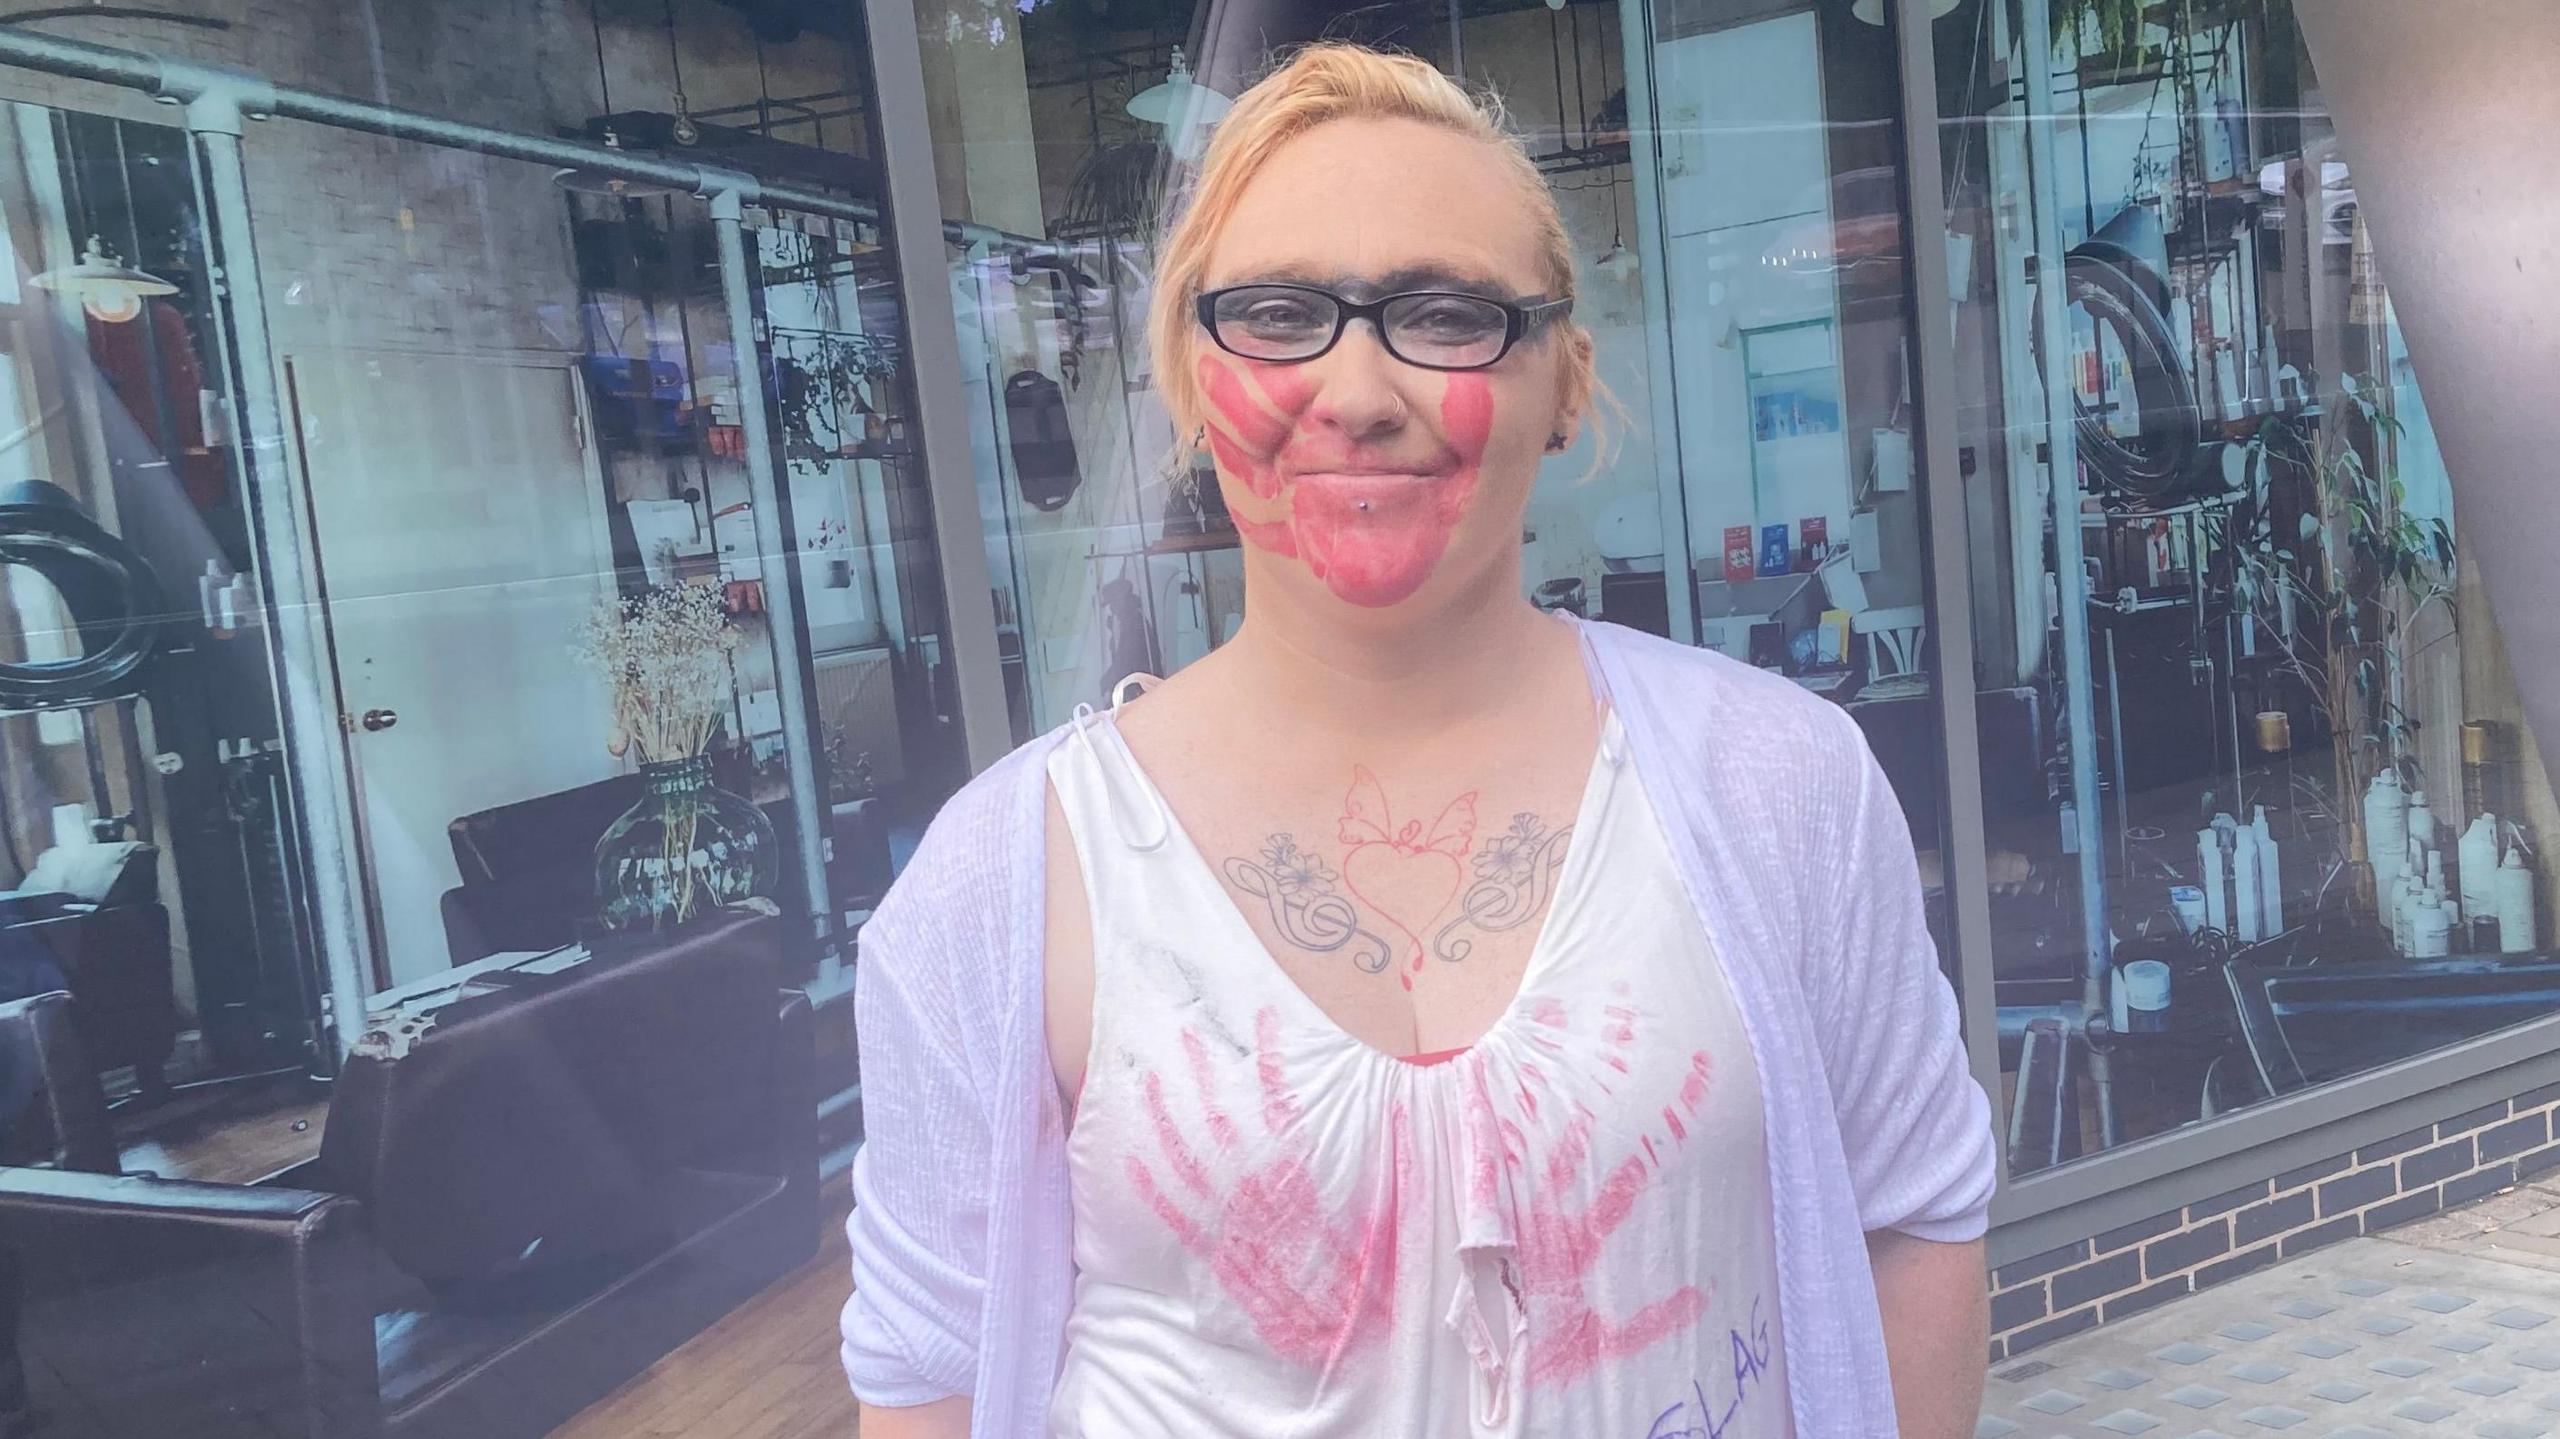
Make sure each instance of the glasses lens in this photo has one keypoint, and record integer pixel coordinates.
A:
(1273, 322)
(1451, 331)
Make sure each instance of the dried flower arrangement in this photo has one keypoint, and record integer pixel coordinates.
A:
(666, 655)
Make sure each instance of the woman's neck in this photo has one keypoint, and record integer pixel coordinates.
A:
(1409, 671)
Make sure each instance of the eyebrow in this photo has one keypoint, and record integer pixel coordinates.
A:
(1409, 277)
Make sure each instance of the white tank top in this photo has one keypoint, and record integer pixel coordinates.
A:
(1282, 1231)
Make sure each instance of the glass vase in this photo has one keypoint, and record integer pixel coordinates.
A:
(686, 850)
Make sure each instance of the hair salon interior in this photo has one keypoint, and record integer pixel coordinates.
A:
(515, 512)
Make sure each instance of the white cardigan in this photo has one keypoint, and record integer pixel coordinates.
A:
(1793, 849)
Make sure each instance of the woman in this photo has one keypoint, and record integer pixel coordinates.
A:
(1423, 1016)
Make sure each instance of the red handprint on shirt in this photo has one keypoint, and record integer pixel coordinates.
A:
(1316, 1282)
(1558, 1244)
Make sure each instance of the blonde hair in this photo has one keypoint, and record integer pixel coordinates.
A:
(1334, 80)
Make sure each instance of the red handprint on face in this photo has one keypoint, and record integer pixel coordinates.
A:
(1316, 1283)
(1558, 1244)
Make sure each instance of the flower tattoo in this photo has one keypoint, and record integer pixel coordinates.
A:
(1511, 856)
(1294, 870)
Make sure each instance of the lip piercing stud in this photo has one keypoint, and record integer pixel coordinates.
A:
(1361, 504)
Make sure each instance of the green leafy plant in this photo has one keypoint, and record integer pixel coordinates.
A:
(2118, 23)
(2322, 532)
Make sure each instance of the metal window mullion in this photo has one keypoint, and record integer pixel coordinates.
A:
(941, 393)
(1949, 557)
(319, 784)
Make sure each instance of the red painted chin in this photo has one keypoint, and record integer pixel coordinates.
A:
(1380, 554)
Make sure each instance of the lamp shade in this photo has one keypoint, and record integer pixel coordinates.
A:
(1872, 11)
(104, 285)
(1178, 101)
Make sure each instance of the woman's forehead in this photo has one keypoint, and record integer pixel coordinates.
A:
(1380, 201)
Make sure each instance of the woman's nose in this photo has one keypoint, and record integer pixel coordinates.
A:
(1359, 386)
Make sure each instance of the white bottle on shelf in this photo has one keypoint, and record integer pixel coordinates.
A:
(2476, 866)
(2217, 904)
(2515, 905)
(2421, 820)
(2431, 929)
(2247, 913)
(2270, 878)
(2386, 829)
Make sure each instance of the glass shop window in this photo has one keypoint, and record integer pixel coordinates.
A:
(2263, 810)
(535, 641)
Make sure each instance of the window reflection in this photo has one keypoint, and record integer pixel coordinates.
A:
(2253, 764)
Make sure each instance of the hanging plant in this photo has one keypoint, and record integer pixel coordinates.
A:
(821, 378)
(2118, 27)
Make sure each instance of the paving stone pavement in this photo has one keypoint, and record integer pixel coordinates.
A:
(2449, 1327)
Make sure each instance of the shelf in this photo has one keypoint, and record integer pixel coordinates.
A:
(2100, 519)
(1209, 543)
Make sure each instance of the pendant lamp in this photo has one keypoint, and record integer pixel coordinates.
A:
(1872, 11)
(1178, 102)
(106, 287)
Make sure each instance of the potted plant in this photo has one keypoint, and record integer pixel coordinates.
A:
(858, 822)
(687, 847)
(2334, 569)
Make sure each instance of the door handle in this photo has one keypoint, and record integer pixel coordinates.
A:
(378, 720)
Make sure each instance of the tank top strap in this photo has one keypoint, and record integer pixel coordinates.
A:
(1107, 798)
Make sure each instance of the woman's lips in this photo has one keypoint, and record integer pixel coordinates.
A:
(1379, 486)
(1373, 536)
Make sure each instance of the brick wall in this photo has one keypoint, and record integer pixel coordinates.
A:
(2124, 1271)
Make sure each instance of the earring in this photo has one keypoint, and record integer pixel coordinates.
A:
(1556, 443)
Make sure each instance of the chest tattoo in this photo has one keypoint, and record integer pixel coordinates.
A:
(1394, 894)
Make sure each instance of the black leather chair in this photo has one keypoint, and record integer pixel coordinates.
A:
(529, 869)
(52, 1112)
(514, 1209)
(96, 911)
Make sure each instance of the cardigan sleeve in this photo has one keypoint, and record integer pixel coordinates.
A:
(1916, 1126)
(920, 1183)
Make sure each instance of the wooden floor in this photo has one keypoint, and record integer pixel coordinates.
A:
(766, 1371)
(235, 1133)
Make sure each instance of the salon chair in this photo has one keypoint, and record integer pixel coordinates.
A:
(528, 869)
(515, 1209)
(96, 910)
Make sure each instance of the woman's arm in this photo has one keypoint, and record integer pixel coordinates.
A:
(921, 1185)
(1937, 1330)
(1915, 1126)
(944, 1419)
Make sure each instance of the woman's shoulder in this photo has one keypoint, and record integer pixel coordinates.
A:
(1734, 710)
(979, 859)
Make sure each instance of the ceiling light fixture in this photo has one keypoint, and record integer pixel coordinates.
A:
(1872, 11)
(1178, 102)
(104, 285)
(686, 132)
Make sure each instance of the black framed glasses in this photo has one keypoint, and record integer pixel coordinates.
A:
(1434, 329)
